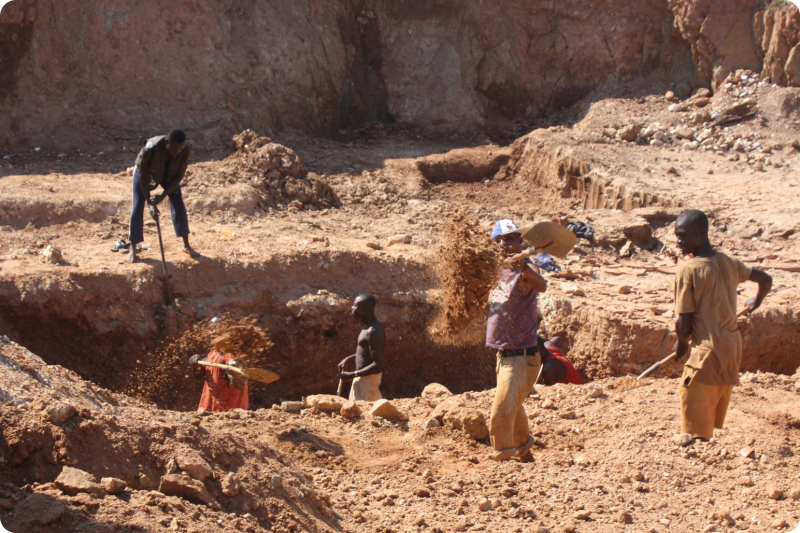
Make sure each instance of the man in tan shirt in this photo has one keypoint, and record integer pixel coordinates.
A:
(705, 301)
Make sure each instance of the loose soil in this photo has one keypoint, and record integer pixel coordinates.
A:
(378, 210)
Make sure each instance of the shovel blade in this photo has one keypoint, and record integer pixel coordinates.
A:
(261, 375)
(551, 238)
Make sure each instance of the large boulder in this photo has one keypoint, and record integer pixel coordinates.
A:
(186, 488)
(385, 409)
(325, 402)
(470, 421)
(75, 481)
(434, 393)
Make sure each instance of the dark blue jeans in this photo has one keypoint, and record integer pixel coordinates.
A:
(180, 220)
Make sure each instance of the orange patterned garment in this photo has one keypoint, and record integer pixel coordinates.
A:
(217, 394)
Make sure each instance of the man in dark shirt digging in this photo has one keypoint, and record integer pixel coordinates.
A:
(369, 353)
(162, 161)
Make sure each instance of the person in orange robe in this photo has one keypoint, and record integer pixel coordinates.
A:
(224, 390)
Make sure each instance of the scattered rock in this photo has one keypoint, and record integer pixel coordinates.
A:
(670, 97)
(431, 423)
(470, 421)
(774, 493)
(187, 488)
(582, 515)
(172, 466)
(484, 505)
(747, 451)
(291, 407)
(325, 402)
(386, 409)
(624, 289)
(113, 485)
(572, 289)
(444, 407)
(373, 245)
(195, 467)
(74, 481)
(59, 413)
(145, 482)
(52, 254)
(549, 404)
(434, 393)
(594, 392)
(682, 439)
(422, 492)
(399, 239)
(794, 494)
(230, 485)
(350, 409)
(684, 133)
(627, 249)
(568, 415)
(38, 510)
(629, 133)
(276, 482)
(623, 517)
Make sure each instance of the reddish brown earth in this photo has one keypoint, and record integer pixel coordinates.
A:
(520, 111)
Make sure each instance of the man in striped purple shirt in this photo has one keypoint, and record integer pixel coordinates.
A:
(511, 329)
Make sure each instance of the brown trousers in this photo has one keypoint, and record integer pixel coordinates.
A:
(703, 407)
(508, 427)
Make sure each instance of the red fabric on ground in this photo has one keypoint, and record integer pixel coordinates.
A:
(572, 375)
(217, 394)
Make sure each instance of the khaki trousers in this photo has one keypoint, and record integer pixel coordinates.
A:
(508, 427)
(366, 388)
(703, 407)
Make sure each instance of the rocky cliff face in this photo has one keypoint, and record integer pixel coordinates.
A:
(726, 35)
(72, 72)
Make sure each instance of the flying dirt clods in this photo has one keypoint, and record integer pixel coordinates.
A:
(162, 377)
(467, 270)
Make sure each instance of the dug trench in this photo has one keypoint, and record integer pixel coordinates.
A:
(115, 330)
(112, 327)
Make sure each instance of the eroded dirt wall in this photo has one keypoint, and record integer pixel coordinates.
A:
(112, 329)
(74, 72)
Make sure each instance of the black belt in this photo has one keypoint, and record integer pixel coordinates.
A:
(519, 351)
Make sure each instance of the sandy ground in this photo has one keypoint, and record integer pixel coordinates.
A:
(603, 463)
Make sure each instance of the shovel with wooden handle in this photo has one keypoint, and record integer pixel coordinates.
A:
(257, 374)
(650, 371)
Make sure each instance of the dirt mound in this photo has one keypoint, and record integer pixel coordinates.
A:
(232, 460)
(260, 173)
(467, 269)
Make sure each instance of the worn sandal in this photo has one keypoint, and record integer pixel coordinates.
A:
(503, 455)
(121, 245)
(522, 450)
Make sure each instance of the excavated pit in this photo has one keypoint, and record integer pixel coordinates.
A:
(115, 330)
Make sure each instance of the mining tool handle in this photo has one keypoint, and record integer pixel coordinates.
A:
(671, 356)
(256, 374)
(339, 388)
(222, 366)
